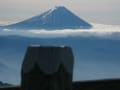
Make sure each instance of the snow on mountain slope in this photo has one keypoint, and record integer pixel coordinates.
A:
(57, 18)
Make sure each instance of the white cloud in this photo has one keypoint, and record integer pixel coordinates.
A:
(98, 30)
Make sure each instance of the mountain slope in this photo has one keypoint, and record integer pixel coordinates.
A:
(57, 18)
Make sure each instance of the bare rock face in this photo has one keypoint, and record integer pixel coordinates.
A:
(47, 68)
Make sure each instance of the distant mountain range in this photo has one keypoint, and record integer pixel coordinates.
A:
(4, 84)
(57, 18)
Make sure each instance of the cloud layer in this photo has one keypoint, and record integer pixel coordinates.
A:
(98, 30)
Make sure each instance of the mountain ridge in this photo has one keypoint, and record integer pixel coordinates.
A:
(57, 18)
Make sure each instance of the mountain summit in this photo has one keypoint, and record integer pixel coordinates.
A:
(57, 18)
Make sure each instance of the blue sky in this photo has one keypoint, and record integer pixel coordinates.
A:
(97, 11)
